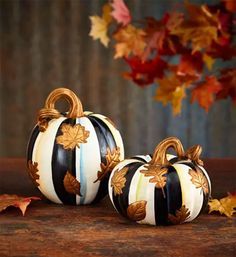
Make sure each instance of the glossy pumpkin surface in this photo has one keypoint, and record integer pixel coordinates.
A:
(161, 189)
(70, 158)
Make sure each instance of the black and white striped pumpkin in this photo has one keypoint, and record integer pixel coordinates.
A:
(163, 189)
(70, 156)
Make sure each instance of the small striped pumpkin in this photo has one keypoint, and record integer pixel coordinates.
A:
(70, 156)
(163, 189)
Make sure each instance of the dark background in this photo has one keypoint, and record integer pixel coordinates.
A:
(45, 44)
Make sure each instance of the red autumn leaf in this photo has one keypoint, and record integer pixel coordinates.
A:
(144, 72)
(155, 36)
(228, 82)
(225, 52)
(230, 5)
(204, 93)
(121, 13)
(190, 64)
(16, 201)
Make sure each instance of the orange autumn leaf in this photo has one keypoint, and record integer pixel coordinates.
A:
(226, 206)
(99, 28)
(171, 90)
(130, 40)
(205, 92)
(16, 201)
(121, 13)
(200, 28)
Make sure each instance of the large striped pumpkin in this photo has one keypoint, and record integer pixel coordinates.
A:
(163, 189)
(71, 155)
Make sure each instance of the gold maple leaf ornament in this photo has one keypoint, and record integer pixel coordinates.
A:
(118, 180)
(180, 216)
(158, 174)
(199, 180)
(72, 136)
(33, 172)
(112, 159)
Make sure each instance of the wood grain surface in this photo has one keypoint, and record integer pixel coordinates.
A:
(98, 231)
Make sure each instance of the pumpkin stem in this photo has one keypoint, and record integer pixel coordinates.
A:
(49, 112)
(159, 156)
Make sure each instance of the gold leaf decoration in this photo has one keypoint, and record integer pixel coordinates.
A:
(180, 216)
(72, 136)
(199, 180)
(137, 210)
(118, 180)
(157, 172)
(71, 184)
(112, 159)
(33, 172)
(193, 153)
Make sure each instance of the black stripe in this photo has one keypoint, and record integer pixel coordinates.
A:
(31, 143)
(161, 209)
(105, 140)
(63, 161)
(104, 135)
(121, 201)
(173, 191)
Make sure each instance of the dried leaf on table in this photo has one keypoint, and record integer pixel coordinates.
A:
(16, 201)
(226, 206)
(204, 93)
(120, 12)
(73, 135)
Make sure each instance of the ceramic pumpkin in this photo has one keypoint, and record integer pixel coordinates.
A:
(161, 189)
(70, 156)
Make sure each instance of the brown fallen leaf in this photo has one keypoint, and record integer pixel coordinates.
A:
(16, 201)
(226, 206)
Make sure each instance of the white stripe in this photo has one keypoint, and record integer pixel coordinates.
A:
(42, 154)
(90, 160)
(142, 189)
(192, 197)
(146, 158)
(114, 132)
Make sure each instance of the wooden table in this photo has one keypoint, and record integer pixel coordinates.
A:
(63, 231)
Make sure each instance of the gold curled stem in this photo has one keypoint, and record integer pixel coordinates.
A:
(76, 108)
(159, 155)
(49, 112)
